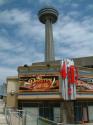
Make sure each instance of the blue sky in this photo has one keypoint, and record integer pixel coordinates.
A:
(22, 35)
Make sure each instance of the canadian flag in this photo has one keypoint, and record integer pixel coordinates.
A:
(70, 91)
(63, 71)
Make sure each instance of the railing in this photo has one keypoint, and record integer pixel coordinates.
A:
(14, 117)
(44, 121)
(21, 117)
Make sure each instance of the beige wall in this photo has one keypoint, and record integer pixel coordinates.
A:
(12, 86)
(11, 101)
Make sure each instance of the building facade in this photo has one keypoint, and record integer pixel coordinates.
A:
(37, 89)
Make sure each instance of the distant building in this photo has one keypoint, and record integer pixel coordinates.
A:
(84, 61)
(1, 91)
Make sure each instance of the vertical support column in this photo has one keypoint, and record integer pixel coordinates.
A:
(49, 43)
(63, 115)
(67, 112)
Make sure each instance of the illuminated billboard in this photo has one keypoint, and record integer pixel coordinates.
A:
(39, 82)
(85, 81)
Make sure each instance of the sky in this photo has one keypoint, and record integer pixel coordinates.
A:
(22, 36)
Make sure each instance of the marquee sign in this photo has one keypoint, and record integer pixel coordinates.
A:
(85, 82)
(40, 82)
(41, 79)
(84, 86)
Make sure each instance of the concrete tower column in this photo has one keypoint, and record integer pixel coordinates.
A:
(49, 43)
(48, 16)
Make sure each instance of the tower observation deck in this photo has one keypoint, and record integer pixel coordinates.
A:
(48, 16)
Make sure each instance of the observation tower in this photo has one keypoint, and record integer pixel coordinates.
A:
(48, 16)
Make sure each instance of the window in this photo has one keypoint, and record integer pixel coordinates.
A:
(81, 111)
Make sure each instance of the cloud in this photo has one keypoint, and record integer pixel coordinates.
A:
(4, 44)
(47, 2)
(74, 37)
(7, 44)
(5, 72)
(17, 54)
(26, 24)
(75, 5)
(74, 14)
(89, 7)
(3, 2)
(15, 16)
(24, 28)
(68, 32)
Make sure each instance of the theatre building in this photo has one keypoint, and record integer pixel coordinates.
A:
(59, 90)
(38, 89)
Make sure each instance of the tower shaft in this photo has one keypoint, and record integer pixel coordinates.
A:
(49, 43)
(48, 16)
